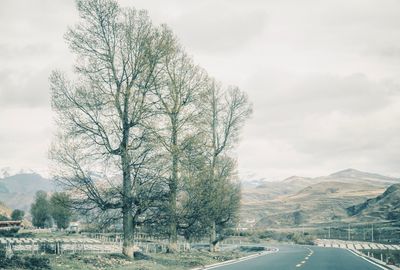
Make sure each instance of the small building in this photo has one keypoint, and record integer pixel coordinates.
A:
(73, 227)
(11, 225)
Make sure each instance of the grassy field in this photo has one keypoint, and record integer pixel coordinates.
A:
(160, 261)
(90, 261)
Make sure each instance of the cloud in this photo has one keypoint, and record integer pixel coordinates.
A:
(209, 26)
(25, 135)
(30, 50)
(31, 46)
(323, 77)
(322, 122)
(25, 87)
(220, 27)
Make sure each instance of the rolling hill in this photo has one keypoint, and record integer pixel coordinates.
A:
(345, 195)
(385, 206)
(310, 201)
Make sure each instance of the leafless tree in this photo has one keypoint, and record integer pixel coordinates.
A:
(136, 107)
(224, 115)
(104, 148)
(177, 97)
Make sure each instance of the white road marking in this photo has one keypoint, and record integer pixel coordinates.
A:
(216, 265)
(354, 253)
(306, 258)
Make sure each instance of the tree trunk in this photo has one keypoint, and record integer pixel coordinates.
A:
(127, 218)
(173, 185)
(213, 238)
(173, 237)
(213, 232)
(128, 230)
(213, 229)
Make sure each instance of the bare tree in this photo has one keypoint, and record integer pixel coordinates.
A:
(176, 103)
(224, 115)
(104, 146)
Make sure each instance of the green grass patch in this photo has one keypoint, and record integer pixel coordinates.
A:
(160, 261)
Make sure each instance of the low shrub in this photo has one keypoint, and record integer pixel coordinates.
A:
(302, 239)
(251, 248)
(23, 262)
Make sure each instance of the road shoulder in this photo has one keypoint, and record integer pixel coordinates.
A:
(373, 261)
(252, 256)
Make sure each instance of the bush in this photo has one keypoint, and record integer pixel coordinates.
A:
(9, 233)
(36, 262)
(267, 235)
(245, 233)
(141, 256)
(47, 248)
(275, 235)
(4, 261)
(23, 262)
(251, 248)
(302, 239)
(17, 214)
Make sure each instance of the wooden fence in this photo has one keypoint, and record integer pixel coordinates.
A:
(58, 245)
(101, 243)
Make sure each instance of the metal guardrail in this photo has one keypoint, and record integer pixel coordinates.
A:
(355, 245)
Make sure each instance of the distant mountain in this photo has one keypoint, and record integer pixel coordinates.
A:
(356, 174)
(18, 191)
(306, 201)
(268, 190)
(385, 206)
(26, 183)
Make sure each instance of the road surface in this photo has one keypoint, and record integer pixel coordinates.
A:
(304, 258)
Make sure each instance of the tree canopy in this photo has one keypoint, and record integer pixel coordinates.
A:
(144, 134)
(40, 211)
(60, 209)
(17, 214)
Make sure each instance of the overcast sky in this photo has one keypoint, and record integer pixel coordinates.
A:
(323, 76)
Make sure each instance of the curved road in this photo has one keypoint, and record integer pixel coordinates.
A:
(304, 258)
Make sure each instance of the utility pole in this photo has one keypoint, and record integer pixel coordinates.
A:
(329, 232)
(349, 232)
(380, 233)
(372, 233)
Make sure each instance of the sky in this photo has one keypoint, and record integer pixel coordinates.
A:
(323, 77)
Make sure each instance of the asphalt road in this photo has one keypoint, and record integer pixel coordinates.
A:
(304, 258)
